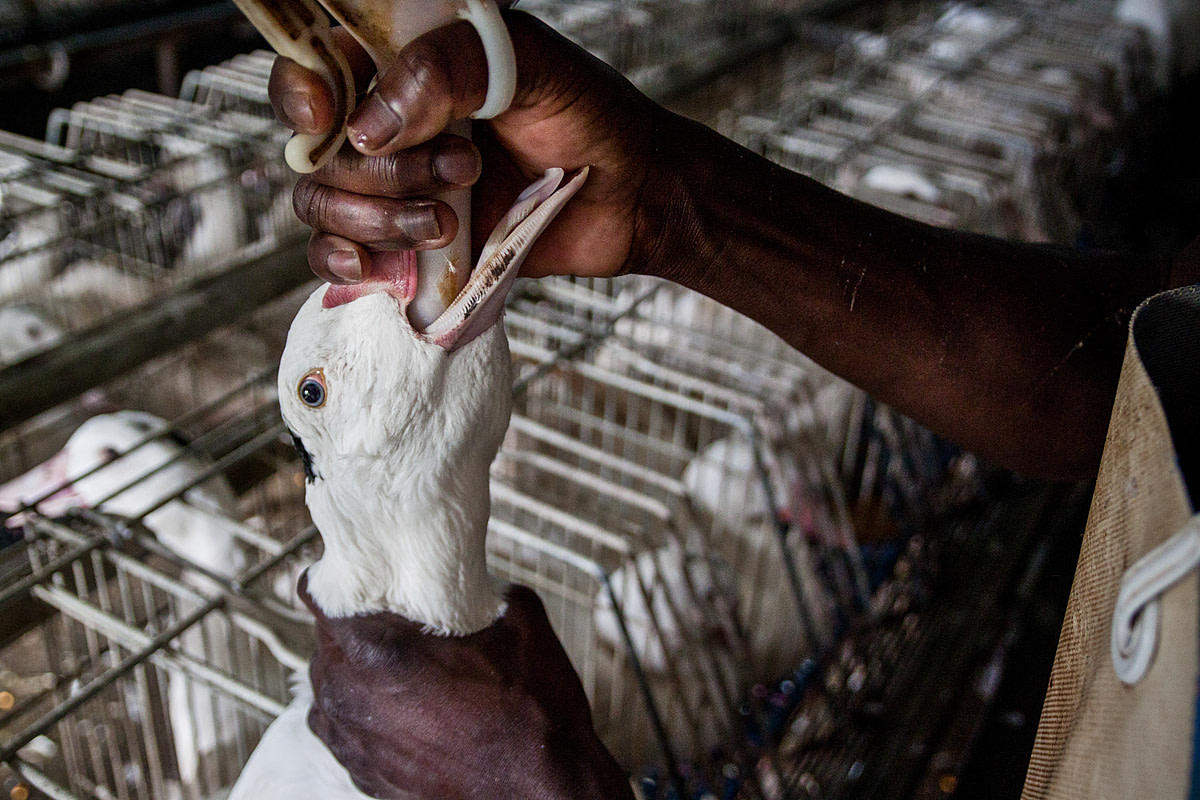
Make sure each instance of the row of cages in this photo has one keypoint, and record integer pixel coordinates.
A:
(710, 518)
(1007, 118)
(131, 195)
(685, 493)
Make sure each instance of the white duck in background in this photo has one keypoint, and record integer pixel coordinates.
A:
(24, 331)
(739, 560)
(125, 464)
(84, 293)
(90, 290)
(202, 177)
(397, 428)
(725, 486)
(29, 239)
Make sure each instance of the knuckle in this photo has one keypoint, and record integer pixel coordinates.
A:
(306, 202)
(425, 68)
(388, 174)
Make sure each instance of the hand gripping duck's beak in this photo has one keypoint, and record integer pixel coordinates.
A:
(299, 29)
(481, 302)
(479, 305)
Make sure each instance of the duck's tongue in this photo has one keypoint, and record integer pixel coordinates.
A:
(480, 303)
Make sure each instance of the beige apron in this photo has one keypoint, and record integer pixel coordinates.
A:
(1100, 737)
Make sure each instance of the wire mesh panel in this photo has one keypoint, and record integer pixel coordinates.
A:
(135, 194)
(202, 171)
(661, 45)
(629, 418)
(174, 724)
(239, 84)
(991, 117)
(158, 584)
(651, 627)
(46, 207)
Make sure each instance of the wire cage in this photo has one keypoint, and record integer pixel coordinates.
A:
(662, 46)
(213, 175)
(239, 84)
(163, 628)
(653, 414)
(706, 514)
(43, 203)
(133, 195)
(995, 118)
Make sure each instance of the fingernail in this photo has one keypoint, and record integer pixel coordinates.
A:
(373, 124)
(345, 264)
(458, 165)
(421, 224)
(298, 108)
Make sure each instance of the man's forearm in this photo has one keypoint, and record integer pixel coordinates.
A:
(1010, 350)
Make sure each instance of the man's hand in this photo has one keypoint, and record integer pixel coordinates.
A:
(500, 713)
(570, 110)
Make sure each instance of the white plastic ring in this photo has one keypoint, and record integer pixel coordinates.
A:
(1135, 618)
(484, 15)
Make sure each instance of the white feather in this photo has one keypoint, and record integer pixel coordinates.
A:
(291, 762)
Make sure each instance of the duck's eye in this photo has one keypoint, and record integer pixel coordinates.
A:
(312, 389)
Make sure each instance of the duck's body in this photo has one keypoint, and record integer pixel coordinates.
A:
(125, 464)
(397, 428)
(289, 742)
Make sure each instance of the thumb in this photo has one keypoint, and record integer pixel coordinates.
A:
(437, 78)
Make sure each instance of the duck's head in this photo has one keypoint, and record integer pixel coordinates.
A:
(24, 331)
(130, 464)
(397, 428)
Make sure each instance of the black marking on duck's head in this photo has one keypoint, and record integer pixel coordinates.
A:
(310, 472)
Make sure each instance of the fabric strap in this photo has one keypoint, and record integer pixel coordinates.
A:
(1099, 738)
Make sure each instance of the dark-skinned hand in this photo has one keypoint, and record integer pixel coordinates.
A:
(570, 110)
(496, 714)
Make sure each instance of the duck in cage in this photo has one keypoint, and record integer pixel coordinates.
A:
(695, 504)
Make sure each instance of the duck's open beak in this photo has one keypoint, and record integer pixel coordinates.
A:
(481, 302)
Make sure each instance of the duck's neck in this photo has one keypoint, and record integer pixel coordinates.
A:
(417, 548)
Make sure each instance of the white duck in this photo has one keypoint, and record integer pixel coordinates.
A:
(125, 464)
(397, 428)
(204, 177)
(24, 331)
(85, 292)
(32, 224)
(739, 561)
